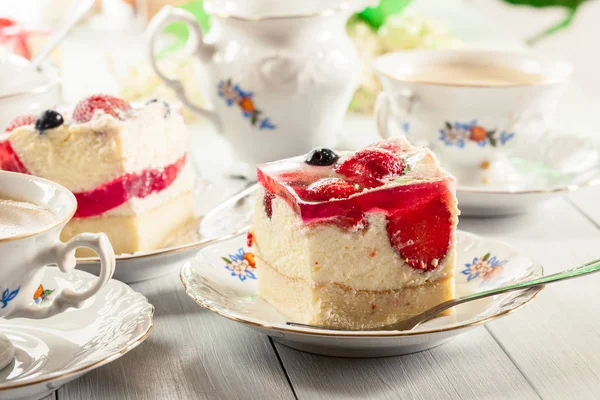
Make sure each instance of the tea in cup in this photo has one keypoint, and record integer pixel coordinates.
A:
(474, 108)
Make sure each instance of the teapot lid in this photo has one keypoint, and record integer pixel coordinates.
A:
(254, 10)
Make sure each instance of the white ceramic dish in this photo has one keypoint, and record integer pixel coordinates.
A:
(556, 166)
(57, 350)
(230, 289)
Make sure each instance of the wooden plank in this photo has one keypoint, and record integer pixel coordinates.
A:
(472, 366)
(555, 340)
(191, 354)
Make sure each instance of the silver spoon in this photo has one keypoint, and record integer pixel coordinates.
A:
(528, 288)
(79, 9)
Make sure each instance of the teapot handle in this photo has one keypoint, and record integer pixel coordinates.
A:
(193, 46)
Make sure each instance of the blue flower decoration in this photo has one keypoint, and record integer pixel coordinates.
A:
(265, 123)
(239, 266)
(234, 94)
(9, 295)
(459, 133)
(481, 266)
(505, 137)
(406, 127)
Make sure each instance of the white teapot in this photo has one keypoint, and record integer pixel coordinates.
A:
(281, 73)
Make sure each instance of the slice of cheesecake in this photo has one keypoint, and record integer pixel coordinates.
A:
(355, 239)
(127, 166)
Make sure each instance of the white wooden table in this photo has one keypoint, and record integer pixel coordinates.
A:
(550, 349)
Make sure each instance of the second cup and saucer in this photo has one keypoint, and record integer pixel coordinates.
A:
(487, 115)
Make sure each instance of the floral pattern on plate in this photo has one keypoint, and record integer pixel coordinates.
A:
(486, 268)
(241, 264)
(234, 95)
(459, 134)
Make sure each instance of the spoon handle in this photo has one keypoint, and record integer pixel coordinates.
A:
(587, 268)
(78, 11)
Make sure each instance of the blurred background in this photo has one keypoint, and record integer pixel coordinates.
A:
(106, 51)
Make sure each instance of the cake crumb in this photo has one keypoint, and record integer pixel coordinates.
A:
(373, 252)
(485, 180)
(485, 164)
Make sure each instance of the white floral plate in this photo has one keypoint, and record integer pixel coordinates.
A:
(57, 350)
(554, 167)
(222, 279)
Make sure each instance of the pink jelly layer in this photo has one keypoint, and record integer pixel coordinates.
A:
(351, 211)
(110, 194)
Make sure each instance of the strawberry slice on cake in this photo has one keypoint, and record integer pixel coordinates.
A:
(355, 239)
(127, 166)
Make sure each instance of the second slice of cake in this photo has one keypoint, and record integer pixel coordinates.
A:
(355, 240)
(127, 166)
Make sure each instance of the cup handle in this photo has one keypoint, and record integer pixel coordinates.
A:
(194, 46)
(63, 254)
(385, 108)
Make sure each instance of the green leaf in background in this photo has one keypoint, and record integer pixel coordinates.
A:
(570, 5)
(376, 16)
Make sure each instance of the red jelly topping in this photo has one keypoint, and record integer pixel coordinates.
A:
(9, 160)
(419, 221)
(116, 192)
(111, 194)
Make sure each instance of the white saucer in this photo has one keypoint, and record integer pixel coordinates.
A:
(552, 168)
(229, 288)
(57, 350)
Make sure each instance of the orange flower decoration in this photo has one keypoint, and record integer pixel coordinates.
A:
(246, 104)
(38, 292)
(250, 258)
(478, 134)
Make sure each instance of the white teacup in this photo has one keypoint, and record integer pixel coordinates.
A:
(473, 127)
(25, 255)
